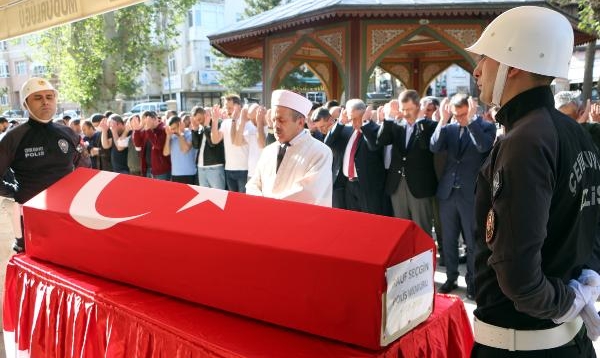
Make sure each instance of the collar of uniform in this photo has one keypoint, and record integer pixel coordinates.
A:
(33, 123)
(524, 103)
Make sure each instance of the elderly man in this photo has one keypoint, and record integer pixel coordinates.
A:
(39, 152)
(297, 167)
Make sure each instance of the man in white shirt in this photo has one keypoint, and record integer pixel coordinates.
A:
(236, 156)
(297, 167)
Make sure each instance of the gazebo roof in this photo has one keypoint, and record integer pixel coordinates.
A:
(235, 40)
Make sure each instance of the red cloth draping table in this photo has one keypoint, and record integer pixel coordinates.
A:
(57, 312)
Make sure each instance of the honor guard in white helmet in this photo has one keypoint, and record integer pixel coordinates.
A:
(537, 198)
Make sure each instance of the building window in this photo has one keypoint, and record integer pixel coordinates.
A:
(209, 16)
(207, 62)
(4, 100)
(4, 70)
(39, 71)
(172, 64)
(20, 68)
(3, 46)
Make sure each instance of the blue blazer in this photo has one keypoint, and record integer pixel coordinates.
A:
(465, 154)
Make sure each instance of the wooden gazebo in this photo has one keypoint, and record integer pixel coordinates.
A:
(342, 41)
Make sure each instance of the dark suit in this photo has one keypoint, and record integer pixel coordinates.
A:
(411, 181)
(337, 140)
(456, 189)
(366, 193)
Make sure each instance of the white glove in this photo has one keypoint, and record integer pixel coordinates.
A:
(589, 314)
(584, 294)
(589, 277)
(591, 320)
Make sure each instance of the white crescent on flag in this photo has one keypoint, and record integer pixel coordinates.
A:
(83, 207)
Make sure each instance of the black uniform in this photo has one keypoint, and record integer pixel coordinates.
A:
(537, 202)
(40, 154)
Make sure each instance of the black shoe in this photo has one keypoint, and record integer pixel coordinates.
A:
(448, 287)
(19, 245)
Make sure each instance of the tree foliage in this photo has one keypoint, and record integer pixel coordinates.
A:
(589, 15)
(255, 7)
(237, 74)
(97, 58)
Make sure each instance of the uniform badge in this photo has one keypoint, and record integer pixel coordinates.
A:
(497, 184)
(490, 224)
(63, 145)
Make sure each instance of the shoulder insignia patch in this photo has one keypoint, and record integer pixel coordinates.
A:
(497, 184)
(63, 145)
(490, 225)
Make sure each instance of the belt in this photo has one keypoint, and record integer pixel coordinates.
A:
(519, 340)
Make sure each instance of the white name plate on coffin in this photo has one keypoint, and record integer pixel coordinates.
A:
(409, 296)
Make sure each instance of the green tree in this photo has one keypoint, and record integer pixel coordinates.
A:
(255, 7)
(97, 58)
(237, 74)
(589, 15)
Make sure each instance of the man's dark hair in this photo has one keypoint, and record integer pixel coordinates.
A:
(174, 119)
(87, 123)
(149, 114)
(117, 118)
(107, 114)
(97, 117)
(331, 103)
(315, 105)
(321, 113)
(409, 95)
(3, 120)
(197, 110)
(66, 117)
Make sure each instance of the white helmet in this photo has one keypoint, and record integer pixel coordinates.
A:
(33, 85)
(531, 38)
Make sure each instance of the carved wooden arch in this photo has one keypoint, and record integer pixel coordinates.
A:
(399, 70)
(323, 74)
(444, 33)
(437, 68)
(276, 75)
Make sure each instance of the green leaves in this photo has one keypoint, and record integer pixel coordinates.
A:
(101, 57)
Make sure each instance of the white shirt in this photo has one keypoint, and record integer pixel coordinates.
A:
(409, 131)
(236, 157)
(251, 138)
(303, 176)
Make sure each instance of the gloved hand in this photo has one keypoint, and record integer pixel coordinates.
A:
(583, 295)
(591, 320)
(589, 277)
(589, 314)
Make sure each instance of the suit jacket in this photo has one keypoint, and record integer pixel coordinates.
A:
(414, 161)
(337, 140)
(370, 169)
(465, 154)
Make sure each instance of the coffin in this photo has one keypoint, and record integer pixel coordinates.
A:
(358, 278)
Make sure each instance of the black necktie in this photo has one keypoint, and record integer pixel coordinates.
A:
(281, 154)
